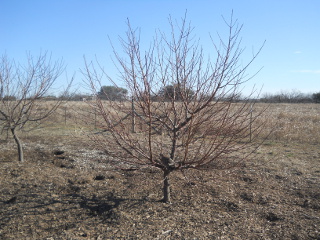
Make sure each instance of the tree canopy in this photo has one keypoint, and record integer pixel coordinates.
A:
(316, 97)
(113, 93)
(176, 92)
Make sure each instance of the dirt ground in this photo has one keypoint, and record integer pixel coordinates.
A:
(67, 190)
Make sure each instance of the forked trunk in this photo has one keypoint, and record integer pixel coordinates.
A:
(166, 187)
(17, 140)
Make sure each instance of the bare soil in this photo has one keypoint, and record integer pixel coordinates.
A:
(67, 190)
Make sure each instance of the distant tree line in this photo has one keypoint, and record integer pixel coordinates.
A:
(113, 93)
(290, 97)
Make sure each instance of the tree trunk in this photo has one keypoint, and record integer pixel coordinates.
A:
(17, 140)
(166, 187)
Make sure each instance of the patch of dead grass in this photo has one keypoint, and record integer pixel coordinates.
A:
(275, 196)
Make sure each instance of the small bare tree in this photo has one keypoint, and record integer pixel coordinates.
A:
(188, 106)
(22, 91)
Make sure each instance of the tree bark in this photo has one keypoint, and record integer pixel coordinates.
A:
(19, 145)
(166, 187)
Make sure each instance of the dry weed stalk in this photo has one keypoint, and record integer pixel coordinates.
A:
(187, 107)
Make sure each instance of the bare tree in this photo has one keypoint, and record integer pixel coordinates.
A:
(199, 126)
(22, 89)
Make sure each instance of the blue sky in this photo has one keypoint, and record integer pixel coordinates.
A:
(71, 29)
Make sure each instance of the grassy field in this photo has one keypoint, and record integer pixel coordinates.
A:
(288, 122)
(70, 189)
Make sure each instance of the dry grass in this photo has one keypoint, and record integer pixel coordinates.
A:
(293, 122)
(286, 122)
(76, 192)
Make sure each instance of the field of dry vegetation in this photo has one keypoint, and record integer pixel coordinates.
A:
(68, 188)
